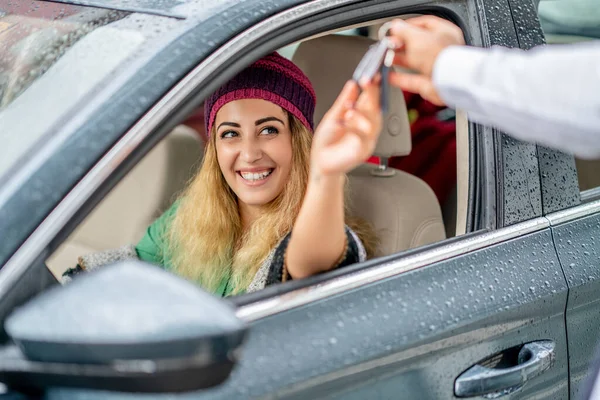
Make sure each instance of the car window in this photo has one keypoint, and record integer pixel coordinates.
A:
(571, 21)
(44, 48)
(425, 190)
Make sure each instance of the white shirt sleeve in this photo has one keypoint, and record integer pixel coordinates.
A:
(549, 95)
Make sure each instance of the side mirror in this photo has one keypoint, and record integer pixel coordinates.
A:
(129, 327)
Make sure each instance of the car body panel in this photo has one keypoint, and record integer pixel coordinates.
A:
(558, 175)
(387, 339)
(157, 7)
(578, 246)
(560, 187)
(518, 170)
(178, 9)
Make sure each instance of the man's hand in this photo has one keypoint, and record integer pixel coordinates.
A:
(418, 42)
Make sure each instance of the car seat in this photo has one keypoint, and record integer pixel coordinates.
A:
(150, 187)
(588, 172)
(401, 207)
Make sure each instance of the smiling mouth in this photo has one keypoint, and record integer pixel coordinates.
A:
(256, 176)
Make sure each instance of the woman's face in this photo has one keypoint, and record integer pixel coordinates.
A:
(254, 149)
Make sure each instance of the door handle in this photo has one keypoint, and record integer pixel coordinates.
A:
(533, 359)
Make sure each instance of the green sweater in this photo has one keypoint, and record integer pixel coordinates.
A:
(153, 247)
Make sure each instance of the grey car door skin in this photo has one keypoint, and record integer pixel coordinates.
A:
(382, 333)
(410, 335)
(577, 236)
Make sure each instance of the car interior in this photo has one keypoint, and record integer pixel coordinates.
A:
(402, 207)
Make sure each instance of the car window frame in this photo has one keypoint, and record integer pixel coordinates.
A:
(558, 177)
(176, 104)
(590, 195)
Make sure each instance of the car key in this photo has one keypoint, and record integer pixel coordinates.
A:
(385, 80)
(372, 61)
(379, 58)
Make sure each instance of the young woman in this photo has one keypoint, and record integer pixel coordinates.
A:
(267, 204)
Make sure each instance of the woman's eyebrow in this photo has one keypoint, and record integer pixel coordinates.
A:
(267, 119)
(235, 125)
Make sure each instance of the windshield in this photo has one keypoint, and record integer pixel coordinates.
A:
(51, 56)
(33, 36)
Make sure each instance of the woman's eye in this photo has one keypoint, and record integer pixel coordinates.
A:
(269, 130)
(228, 134)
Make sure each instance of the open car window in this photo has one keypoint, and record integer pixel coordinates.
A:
(429, 186)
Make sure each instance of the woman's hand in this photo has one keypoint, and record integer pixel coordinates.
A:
(345, 138)
(348, 133)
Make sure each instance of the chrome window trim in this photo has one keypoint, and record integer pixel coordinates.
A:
(588, 196)
(573, 213)
(300, 297)
(297, 298)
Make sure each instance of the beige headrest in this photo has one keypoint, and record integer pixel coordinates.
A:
(329, 62)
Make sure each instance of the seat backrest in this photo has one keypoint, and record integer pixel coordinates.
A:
(328, 72)
(588, 173)
(401, 207)
(123, 216)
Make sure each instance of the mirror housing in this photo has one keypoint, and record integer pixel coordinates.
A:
(129, 327)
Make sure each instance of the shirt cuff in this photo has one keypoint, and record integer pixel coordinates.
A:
(455, 71)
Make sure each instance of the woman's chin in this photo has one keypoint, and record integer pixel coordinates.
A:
(256, 199)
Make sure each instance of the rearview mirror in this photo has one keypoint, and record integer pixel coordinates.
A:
(129, 327)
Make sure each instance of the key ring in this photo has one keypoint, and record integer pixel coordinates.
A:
(384, 30)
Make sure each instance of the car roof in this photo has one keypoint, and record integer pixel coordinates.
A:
(168, 8)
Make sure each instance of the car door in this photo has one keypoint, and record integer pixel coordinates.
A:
(410, 325)
(576, 233)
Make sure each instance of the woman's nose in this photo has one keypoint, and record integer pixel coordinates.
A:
(251, 151)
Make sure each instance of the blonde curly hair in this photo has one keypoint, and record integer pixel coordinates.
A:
(206, 241)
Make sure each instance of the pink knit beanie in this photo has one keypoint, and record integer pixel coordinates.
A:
(272, 78)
